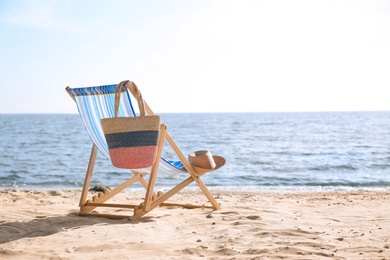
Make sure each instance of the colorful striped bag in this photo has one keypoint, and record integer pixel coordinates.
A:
(132, 141)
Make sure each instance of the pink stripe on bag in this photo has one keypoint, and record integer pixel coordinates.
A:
(133, 157)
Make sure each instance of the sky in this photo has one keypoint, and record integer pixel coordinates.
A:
(198, 55)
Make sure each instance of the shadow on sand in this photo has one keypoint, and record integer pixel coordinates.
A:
(46, 226)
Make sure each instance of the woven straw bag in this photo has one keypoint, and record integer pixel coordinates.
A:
(132, 141)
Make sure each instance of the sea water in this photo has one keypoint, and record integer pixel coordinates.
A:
(263, 151)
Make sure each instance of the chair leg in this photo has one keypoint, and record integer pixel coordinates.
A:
(139, 212)
(88, 176)
(192, 172)
(153, 173)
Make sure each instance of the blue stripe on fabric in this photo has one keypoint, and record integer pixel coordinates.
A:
(178, 165)
(92, 91)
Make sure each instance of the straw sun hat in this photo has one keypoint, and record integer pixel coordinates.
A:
(202, 161)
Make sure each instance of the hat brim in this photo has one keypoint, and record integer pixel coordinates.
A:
(219, 162)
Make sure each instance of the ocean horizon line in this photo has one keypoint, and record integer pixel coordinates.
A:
(217, 112)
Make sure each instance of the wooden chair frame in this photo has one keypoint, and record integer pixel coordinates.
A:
(151, 199)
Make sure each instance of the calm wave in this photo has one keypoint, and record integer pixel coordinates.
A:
(263, 150)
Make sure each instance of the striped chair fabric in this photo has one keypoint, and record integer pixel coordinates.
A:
(95, 103)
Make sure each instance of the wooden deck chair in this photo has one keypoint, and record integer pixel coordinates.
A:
(95, 103)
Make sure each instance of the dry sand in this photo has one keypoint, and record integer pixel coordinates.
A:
(38, 224)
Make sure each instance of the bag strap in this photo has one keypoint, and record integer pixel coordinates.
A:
(134, 91)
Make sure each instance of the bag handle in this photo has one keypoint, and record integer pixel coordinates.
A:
(136, 93)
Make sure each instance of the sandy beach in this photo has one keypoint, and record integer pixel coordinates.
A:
(43, 224)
